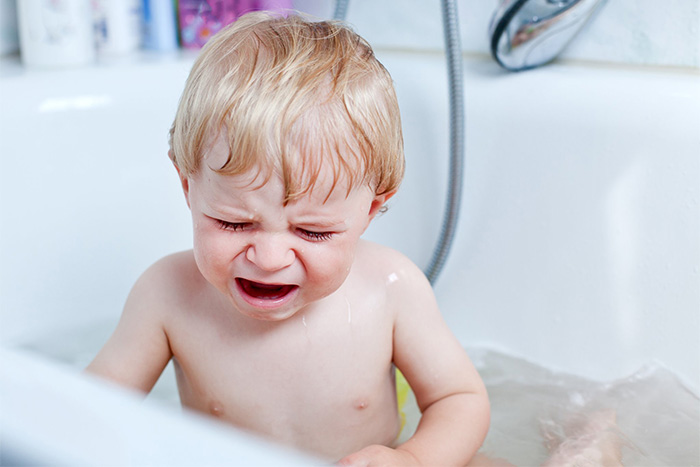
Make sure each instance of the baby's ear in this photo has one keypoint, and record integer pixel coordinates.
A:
(185, 182)
(378, 203)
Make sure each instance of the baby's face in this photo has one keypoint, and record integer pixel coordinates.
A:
(268, 259)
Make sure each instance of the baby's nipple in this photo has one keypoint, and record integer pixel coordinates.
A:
(360, 403)
(216, 409)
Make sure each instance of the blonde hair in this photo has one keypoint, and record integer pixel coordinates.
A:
(291, 95)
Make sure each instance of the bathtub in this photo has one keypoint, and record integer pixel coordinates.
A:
(576, 253)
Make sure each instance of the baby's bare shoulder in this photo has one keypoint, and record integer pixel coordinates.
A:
(171, 279)
(382, 262)
(172, 268)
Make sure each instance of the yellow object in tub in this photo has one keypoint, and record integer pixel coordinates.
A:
(403, 390)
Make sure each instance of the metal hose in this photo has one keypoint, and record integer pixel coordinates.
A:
(341, 10)
(453, 51)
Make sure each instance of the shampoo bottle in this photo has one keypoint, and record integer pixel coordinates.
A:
(117, 26)
(55, 33)
(159, 25)
(201, 19)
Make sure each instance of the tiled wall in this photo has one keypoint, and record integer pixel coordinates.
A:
(638, 32)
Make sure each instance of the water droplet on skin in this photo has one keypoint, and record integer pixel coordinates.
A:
(349, 311)
(577, 399)
(392, 278)
(306, 329)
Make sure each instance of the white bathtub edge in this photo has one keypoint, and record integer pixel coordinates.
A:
(77, 420)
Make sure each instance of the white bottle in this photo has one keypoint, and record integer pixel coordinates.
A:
(160, 30)
(56, 33)
(117, 26)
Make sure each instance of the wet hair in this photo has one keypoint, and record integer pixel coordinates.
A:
(290, 95)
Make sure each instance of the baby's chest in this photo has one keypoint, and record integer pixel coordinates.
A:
(304, 378)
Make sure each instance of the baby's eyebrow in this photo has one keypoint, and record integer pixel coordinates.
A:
(321, 223)
(237, 213)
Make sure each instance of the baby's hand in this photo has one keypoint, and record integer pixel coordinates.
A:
(377, 455)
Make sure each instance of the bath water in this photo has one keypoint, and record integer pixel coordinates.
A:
(657, 417)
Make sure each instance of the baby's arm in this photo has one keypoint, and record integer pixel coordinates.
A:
(138, 350)
(449, 391)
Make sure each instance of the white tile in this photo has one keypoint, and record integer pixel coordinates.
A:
(647, 32)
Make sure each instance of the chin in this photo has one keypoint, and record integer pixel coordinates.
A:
(270, 312)
(268, 315)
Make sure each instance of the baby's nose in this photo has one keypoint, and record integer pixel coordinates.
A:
(270, 252)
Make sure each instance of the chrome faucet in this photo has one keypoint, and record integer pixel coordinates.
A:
(529, 33)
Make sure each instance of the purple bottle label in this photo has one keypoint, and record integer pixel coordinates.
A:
(201, 19)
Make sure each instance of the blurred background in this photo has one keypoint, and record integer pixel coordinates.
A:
(634, 32)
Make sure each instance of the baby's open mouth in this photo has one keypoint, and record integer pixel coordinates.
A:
(264, 291)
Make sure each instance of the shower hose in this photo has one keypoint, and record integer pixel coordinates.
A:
(453, 51)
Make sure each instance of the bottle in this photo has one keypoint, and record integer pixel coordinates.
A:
(9, 32)
(117, 26)
(201, 19)
(159, 29)
(280, 6)
(55, 33)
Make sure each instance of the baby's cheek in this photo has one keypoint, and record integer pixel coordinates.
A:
(333, 270)
(210, 255)
(202, 249)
